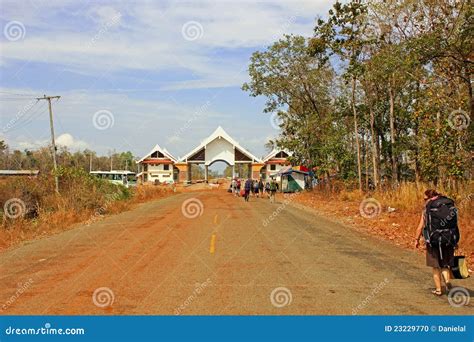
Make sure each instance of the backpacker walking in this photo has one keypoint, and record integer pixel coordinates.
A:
(255, 188)
(267, 189)
(261, 187)
(273, 189)
(247, 188)
(438, 225)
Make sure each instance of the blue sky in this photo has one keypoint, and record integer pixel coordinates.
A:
(132, 74)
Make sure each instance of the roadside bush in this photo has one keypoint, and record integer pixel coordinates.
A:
(81, 197)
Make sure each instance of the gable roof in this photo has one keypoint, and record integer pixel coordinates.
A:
(220, 133)
(163, 151)
(275, 151)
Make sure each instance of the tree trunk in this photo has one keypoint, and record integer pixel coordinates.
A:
(366, 162)
(373, 141)
(469, 90)
(356, 131)
(392, 134)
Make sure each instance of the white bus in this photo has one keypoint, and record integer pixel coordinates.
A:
(124, 177)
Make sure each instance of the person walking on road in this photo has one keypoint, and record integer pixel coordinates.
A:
(438, 225)
(238, 187)
(260, 187)
(267, 189)
(247, 188)
(234, 186)
(255, 188)
(273, 189)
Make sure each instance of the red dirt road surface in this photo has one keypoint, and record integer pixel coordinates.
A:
(208, 252)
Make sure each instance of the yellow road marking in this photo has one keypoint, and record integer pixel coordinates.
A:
(215, 219)
(212, 247)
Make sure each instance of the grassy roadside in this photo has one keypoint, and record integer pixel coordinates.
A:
(31, 209)
(392, 215)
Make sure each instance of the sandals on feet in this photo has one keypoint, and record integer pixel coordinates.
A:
(437, 292)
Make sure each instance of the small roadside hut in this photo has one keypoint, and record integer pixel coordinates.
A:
(293, 179)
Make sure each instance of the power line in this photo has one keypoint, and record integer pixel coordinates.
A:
(16, 99)
(24, 121)
(9, 93)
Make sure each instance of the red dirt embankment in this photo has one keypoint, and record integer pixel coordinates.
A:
(393, 222)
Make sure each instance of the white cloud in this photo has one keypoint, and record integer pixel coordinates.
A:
(106, 16)
(67, 140)
(63, 140)
(141, 41)
(147, 35)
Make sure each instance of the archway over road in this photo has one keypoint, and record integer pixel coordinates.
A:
(219, 146)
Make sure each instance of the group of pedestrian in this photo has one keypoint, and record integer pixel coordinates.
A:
(253, 187)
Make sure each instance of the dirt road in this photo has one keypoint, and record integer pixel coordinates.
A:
(231, 258)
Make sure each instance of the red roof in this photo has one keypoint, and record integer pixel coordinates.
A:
(157, 161)
(277, 161)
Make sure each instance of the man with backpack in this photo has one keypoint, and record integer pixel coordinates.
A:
(247, 188)
(273, 189)
(267, 189)
(439, 227)
(260, 187)
(255, 188)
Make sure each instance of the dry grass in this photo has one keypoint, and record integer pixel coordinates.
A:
(399, 223)
(81, 199)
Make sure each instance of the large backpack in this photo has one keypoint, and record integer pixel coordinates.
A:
(441, 223)
(273, 186)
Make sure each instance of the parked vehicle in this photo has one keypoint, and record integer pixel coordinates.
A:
(124, 177)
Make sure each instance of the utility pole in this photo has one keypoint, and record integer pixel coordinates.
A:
(90, 162)
(55, 165)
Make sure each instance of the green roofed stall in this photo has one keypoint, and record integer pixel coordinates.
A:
(293, 180)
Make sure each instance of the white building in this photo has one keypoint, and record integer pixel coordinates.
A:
(219, 146)
(160, 166)
(274, 162)
(157, 167)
